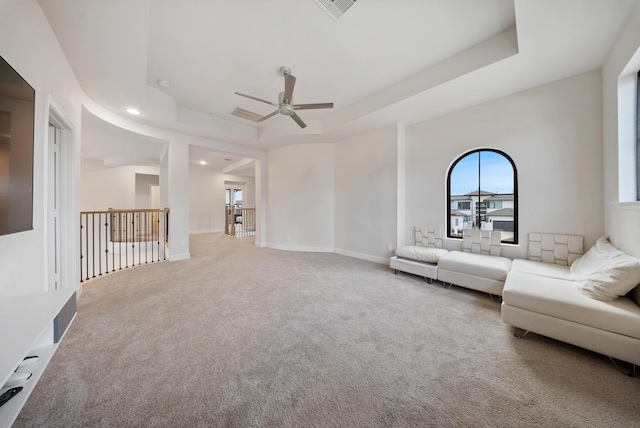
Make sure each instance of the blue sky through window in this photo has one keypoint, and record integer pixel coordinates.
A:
(496, 174)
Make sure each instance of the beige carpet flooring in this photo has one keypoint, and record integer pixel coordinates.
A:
(239, 336)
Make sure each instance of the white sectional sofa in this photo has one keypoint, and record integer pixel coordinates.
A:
(541, 294)
(545, 298)
(479, 265)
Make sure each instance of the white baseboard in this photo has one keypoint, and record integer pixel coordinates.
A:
(376, 259)
(198, 232)
(178, 257)
(361, 256)
(302, 249)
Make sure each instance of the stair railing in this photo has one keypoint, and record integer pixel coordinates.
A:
(240, 221)
(116, 239)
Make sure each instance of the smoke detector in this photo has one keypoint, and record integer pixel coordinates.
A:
(335, 8)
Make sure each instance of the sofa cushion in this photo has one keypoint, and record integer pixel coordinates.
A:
(484, 266)
(540, 268)
(605, 273)
(561, 299)
(421, 254)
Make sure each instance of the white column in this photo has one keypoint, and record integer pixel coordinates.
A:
(261, 201)
(178, 200)
(164, 179)
(401, 214)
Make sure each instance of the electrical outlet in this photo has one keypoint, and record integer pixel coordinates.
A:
(182, 242)
(389, 247)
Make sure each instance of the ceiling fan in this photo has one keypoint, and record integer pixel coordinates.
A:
(284, 105)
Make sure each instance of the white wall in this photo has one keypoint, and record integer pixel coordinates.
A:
(366, 187)
(622, 217)
(104, 187)
(206, 201)
(144, 185)
(249, 194)
(300, 181)
(553, 133)
(30, 47)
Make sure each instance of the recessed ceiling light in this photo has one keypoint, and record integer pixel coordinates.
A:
(133, 111)
(203, 162)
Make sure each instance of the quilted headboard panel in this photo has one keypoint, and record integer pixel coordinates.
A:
(481, 241)
(554, 248)
(429, 236)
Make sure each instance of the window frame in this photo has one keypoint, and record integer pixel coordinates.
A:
(515, 187)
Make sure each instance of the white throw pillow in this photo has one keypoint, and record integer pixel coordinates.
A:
(421, 254)
(591, 261)
(605, 273)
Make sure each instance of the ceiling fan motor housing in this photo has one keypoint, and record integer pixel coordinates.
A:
(284, 108)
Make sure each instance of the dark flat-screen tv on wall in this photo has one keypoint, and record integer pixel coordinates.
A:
(17, 106)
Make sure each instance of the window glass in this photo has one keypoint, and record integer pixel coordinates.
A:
(482, 189)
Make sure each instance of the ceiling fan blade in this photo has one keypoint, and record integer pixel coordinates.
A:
(263, 118)
(312, 106)
(299, 121)
(257, 99)
(289, 83)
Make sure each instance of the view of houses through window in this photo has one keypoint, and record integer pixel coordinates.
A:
(482, 194)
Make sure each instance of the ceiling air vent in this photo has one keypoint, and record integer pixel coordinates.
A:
(246, 114)
(335, 8)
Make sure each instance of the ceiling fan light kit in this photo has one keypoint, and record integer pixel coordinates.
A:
(284, 105)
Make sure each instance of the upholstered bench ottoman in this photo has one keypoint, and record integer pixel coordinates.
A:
(476, 271)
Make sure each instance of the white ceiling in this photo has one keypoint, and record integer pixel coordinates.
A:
(382, 62)
(113, 146)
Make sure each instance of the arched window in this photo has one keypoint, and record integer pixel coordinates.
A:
(482, 193)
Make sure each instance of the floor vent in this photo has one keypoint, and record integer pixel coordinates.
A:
(335, 8)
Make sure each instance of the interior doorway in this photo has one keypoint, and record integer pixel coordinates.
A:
(240, 218)
(233, 208)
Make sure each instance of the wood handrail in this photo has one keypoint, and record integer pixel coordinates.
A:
(111, 210)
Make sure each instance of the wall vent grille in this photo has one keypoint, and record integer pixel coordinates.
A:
(335, 8)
